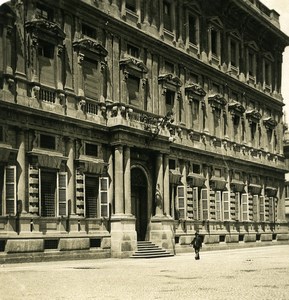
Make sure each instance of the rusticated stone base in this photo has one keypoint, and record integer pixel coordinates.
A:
(24, 246)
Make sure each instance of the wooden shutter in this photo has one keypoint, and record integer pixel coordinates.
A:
(250, 207)
(205, 204)
(255, 208)
(244, 208)
(267, 209)
(196, 203)
(226, 206)
(10, 190)
(271, 209)
(262, 208)
(91, 81)
(212, 207)
(103, 196)
(62, 186)
(218, 205)
(190, 203)
(237, 206)
(181, 201)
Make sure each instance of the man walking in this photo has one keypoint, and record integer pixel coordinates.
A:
(197, 245)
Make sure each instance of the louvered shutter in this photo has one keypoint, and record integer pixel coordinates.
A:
(10, 190)
(245, 214)
(218, 206)
(181, 201)
(271, 209)
(103, 196)
(255, 208)
(195, 203)
(204, 200)
(262, 208)
(62, 186)
(91, 81)
(237, 206)
(226, 206)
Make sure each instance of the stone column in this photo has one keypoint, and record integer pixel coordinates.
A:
(118, 180)
(22, 178)
(127, 181)
(70, 177)
(159, 193)
(166, 186)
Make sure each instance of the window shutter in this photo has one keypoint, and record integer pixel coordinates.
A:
(212, 207)
(195, 203)
(262, 208)
(237, 206)
(271, 209)
(255, 208)
(218, 197)
(10, 190)
(103, 196)
(244, 208)
(62, 186)
(181, 201)
(267, 209)
(226, 204)
(204, 200)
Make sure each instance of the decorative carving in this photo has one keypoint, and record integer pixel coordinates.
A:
(236, 109)
(170, 79)
(217, 101)
(269, 123)
(90, 46)
(195, 89)
(133, 63)
(35, 92)
(253, 116)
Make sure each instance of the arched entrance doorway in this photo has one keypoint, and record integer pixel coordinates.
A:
(139, 205)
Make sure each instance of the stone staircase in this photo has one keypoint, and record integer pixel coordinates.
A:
(146, 249)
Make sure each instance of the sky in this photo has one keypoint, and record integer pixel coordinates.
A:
(282, 7)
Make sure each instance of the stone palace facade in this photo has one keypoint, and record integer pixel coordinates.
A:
(130, 120)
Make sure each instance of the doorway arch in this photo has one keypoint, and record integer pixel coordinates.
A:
(139, 200)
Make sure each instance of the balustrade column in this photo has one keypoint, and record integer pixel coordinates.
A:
(22, 178)
(118, 180)
(159, 194)
(71, 176)
(127, 181)
(166, 186)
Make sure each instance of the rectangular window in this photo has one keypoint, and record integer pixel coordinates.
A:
(130, 5)
(193, 78)
(272, 209)
(172, 164)
(195, 112)
(103, 196)
(196, 169)
(218, 205)
(237, 206)
(192, 29)
(181, 201)
(91, 196)
(48, 193)
(1, 134)
(214, 42)
(205, 206)
(170, 97)
(46, 50)
(133, 89)
(169, 67)
(251, 58)
(234, 57)
(255, 208)
(218, 172)
(267, 73)
(88, 31)
(253, 128)
(132, 51)
(167, 15)
(91, 149)
(91, 79)
(43, 12)
(47, 141)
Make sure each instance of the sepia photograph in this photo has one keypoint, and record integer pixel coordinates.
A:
(144, 149)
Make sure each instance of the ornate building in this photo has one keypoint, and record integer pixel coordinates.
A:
(123, 121)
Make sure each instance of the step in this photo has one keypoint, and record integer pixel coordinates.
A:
(146, 249)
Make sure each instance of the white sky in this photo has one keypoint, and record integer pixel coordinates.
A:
(282, 7)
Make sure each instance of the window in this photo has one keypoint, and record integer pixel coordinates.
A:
(181, 201)
(253, 128)
(47, 141)
(1, 134)
(130, 5)
(226, 205)
(88, 31)
(214, 42)
(262, 208)
(195, 112)
(251, 63)
(267, 71)
(103, 192)
(234, 54)
(91, 149)
(193, 29)
(8, 190)
(132, 51)
(170, 98)
(218, 172)
(244, 207)
(205, 205)
(43, 12)
(46, 50)
(196, 168)
(167, 15)
(133, 83)
(91, 79)
(193, 78)
(48, 194)
(169, 67)
(91, 196)
(172, 164)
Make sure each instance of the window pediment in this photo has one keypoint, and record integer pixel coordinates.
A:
(195, 89)
(216, 21)
(134, 63)
(38, 26)
(236, 108)
(170, 79)
(91, 46)
(269, 123)
(268, 56)
(217, 101)
(271, 191)
(253, 46)
(234, 33)
(253, 115)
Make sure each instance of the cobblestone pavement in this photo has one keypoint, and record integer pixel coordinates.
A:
(252, 273)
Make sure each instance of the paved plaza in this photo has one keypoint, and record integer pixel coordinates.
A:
(253, 273)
